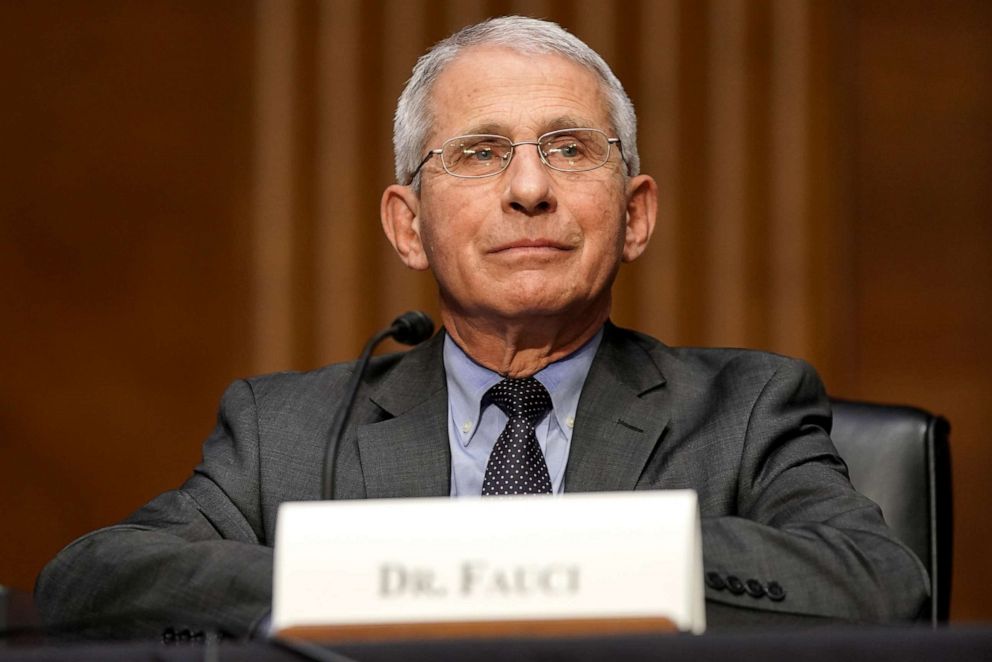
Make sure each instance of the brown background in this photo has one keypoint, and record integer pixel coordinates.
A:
(189, 194)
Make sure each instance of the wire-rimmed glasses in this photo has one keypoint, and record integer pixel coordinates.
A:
(484, 155)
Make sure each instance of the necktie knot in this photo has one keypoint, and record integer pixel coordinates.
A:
(521, 398)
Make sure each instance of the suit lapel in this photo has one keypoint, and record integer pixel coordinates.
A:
(620, 419)
(407, 453)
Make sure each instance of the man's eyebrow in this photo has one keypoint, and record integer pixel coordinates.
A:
(569, 122)
(487, 128)
(497, 129)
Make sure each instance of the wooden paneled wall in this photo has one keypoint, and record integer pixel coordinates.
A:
(920, 239)
(190, 194)
(125, 279)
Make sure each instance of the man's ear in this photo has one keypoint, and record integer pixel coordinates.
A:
(400, 214)
(642, 211)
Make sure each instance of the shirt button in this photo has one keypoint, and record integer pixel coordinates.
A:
(466, 427)
(570, 422)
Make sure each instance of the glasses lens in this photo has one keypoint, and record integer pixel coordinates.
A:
(575, 149)
(476, 156)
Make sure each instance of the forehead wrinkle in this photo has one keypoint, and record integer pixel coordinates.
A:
(495, 101)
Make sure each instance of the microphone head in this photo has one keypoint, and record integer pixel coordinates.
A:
(412, 327)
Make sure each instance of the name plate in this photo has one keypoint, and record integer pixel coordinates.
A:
(363, 566)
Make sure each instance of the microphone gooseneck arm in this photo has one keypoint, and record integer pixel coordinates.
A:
(410, 328)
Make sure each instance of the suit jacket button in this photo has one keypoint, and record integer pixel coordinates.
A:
(184, 635)
(715, 581)
(735, 585)
(775, 591)
(168, 636)
(754, 588)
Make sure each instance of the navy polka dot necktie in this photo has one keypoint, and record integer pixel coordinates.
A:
(516, 464)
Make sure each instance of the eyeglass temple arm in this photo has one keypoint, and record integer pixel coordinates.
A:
(433, 152)
(623, 157)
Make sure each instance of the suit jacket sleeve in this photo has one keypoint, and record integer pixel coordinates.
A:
(190, 558)
(799, 527)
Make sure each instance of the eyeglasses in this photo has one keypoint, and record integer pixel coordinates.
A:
(567, 150)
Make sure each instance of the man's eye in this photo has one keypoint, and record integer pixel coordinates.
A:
(480, 153)
(568, 150)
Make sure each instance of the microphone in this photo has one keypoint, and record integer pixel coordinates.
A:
(410, 328)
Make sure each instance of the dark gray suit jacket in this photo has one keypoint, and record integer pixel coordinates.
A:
(747, 430)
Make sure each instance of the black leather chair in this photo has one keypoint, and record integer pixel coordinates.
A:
(899, 458)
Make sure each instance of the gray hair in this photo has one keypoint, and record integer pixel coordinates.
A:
(531, 36)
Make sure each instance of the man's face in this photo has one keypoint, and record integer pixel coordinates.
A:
(530, 241)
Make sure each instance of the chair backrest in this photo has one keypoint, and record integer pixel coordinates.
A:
(899, 458)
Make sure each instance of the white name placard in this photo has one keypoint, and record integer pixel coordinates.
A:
(584, 556)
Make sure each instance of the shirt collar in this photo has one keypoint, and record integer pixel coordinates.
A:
(468, 382)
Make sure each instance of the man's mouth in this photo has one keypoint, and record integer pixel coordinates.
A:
(540, 245)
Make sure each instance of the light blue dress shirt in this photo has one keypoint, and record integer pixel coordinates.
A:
(472, 432)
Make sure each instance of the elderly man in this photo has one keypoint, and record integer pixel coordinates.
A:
(519, 189)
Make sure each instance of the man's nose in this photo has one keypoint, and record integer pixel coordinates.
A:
(528, 183)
